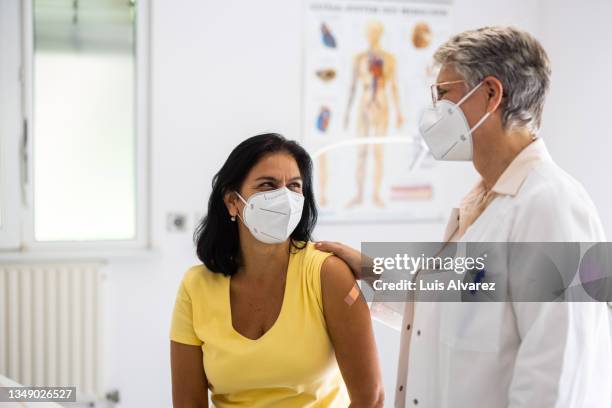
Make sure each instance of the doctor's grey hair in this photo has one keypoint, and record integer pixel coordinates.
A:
(512, 56)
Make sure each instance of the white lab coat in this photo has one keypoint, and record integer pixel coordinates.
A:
(521, 354)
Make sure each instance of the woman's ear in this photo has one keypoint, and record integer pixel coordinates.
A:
(231, 203)
(495, 91)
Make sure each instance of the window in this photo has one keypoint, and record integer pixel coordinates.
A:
(85, 115)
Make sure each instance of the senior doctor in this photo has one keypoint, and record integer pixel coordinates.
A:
(488, 99)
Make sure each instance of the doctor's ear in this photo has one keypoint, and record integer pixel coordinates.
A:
(495, 92)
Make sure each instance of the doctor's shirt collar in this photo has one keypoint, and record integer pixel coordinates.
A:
(517, 171)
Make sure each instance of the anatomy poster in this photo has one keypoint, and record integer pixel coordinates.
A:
(368, 68)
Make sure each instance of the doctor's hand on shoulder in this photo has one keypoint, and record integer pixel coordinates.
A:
(360, 265)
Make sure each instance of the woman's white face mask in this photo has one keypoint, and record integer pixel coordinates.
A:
(272, 216)
(446, 131)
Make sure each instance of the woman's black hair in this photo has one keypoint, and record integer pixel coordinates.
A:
(216, 237)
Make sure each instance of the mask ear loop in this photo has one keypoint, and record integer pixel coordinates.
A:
(486, 115)
(480, 122)
(470, 93)
(245, 203)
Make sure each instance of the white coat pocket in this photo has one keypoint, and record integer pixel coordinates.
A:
(474, 326)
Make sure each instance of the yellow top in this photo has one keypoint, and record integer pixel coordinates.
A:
(292, 365)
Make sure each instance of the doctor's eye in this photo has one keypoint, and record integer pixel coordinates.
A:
(440, 93)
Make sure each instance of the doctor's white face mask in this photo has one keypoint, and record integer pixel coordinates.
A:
(446, 131)
(271, 216)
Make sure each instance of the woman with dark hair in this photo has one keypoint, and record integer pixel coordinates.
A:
(267, 320)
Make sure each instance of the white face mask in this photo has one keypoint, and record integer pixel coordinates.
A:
(271, 216)
(446, 131)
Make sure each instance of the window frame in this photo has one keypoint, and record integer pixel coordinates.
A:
(142, 110)
(11, 129)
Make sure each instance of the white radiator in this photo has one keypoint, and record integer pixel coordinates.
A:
(51, 326)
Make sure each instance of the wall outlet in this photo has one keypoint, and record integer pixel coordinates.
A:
(176, 222)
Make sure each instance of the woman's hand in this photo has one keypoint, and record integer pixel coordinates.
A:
(361, 265)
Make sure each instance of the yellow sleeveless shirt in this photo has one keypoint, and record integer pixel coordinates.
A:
(292, 365)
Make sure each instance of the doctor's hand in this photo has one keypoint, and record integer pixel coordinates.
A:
(361, 268)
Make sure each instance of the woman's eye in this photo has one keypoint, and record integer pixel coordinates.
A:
(267, 184)
(295, 186)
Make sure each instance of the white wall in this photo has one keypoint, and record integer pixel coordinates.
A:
(223, 71)
(576, 125)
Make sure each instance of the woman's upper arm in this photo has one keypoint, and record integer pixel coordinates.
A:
(189, 383)
(350, 328)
